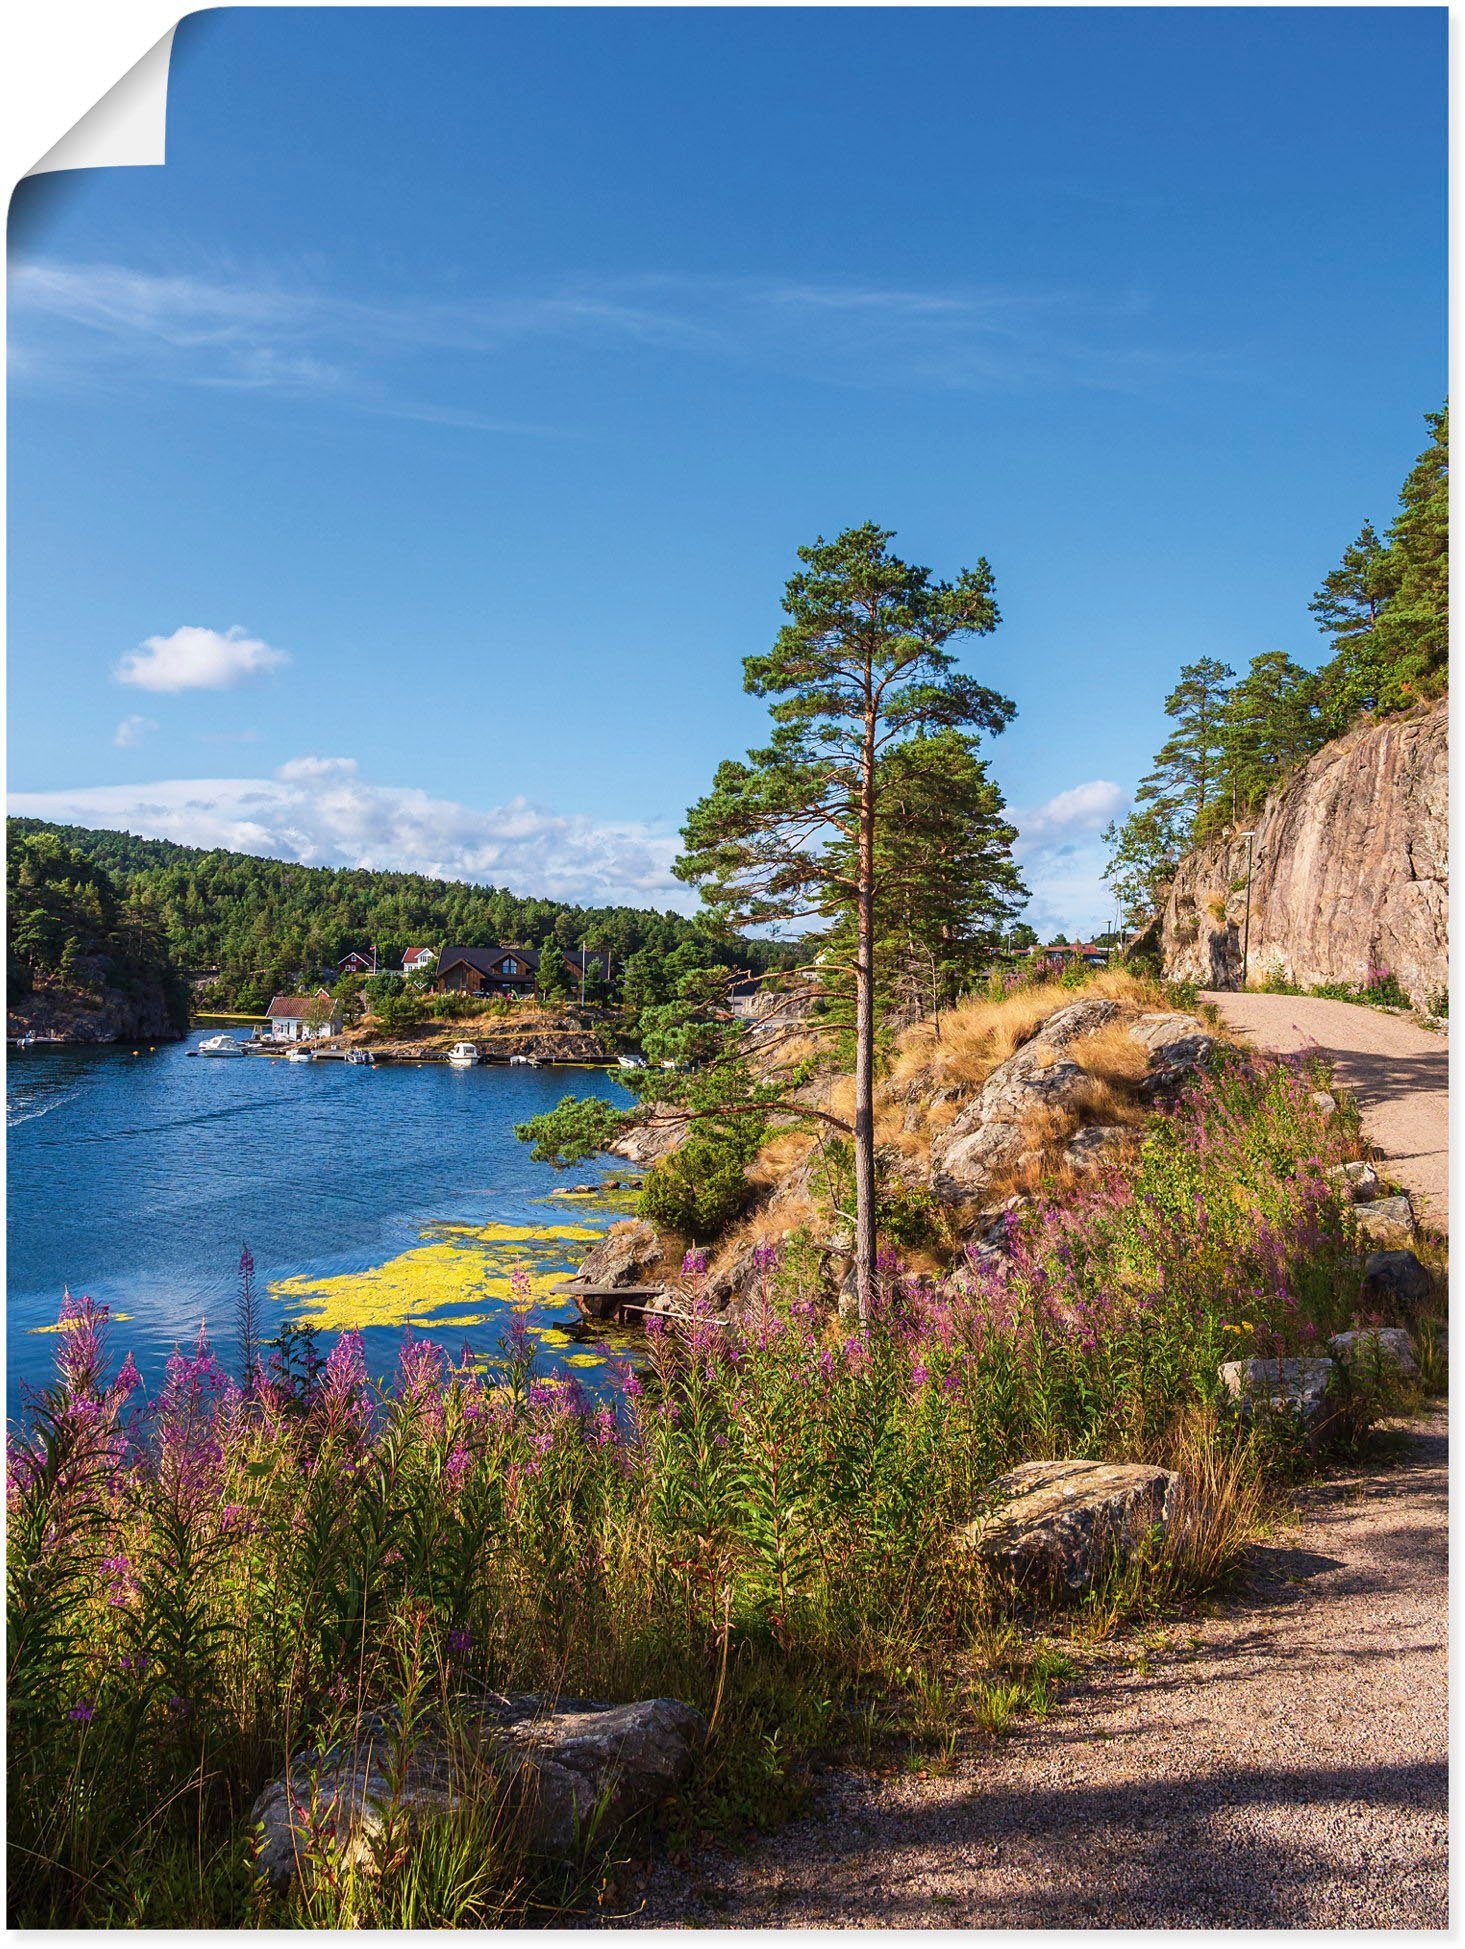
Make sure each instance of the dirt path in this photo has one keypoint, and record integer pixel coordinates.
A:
(1283, 1765)
(1397, 1071)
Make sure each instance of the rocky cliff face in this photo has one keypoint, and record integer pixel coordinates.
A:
(142, 1014)
(1350, 871)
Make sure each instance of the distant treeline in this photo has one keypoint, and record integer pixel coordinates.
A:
(264, 924)
(1385, 609)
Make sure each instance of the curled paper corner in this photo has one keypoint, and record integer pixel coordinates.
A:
(127, 127)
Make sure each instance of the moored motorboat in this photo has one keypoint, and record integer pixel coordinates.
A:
(631, 1062)
(525, 1062)
(221, 1045)
(362, 1058)
(463, 1055)
(301, 1055)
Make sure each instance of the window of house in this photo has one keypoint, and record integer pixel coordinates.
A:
(511, 967)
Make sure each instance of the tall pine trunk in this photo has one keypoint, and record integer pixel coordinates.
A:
(865, 1038)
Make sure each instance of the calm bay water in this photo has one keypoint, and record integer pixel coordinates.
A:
(373, 1197)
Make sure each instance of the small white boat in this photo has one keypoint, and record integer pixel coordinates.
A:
(221, 1045)
(525, 1062)
(362, 1058)
(631, 1062)
(463, 1055)
(301, 1055)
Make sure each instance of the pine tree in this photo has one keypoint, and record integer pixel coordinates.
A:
(1188, 766)
(860, 669)
(553, 979)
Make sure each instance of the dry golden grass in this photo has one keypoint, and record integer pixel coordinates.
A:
(1112, 1056)
(973, 1038)
(780, 1156)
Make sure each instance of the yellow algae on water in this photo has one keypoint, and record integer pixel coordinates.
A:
(65, 1326)
(585, 1360)
(458, 1266)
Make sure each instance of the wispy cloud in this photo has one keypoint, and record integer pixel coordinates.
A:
(319, 810)
(1063, 859)
(106, 324)
(197, 659)
(132, 730)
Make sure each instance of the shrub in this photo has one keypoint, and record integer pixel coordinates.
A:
(698, 1189)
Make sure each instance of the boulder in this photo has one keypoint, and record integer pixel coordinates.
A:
(628, 1255)
(1324, 1102)
(1387, 1222)
(1377, 1347)
(1094, 1146)
(1393, 1282)
(1058, 1524)
(1292, 1386)
(567, 1769)
(646, 1143)
(1359, 1180)
(1178, 1044)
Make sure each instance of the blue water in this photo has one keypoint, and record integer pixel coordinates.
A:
(136, 1178)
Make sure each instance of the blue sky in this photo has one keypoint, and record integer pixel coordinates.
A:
(399, 475)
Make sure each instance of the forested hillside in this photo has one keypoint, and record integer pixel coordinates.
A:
(262, 922)
(1385, 612)
(72, 933)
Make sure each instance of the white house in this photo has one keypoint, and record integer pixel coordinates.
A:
(419, 961)
(286, 1017)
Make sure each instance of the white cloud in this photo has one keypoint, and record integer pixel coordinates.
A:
(1062, 858)
(197, 659)
(321, 812)
(132, 730)
(1082, 808)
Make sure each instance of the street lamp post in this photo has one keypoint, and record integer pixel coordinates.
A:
(1246, 924)
(582, 971)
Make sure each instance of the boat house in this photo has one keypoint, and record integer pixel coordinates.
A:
(286, 1016)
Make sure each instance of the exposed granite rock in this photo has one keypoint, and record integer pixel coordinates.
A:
(988, 1135)
(1295, 1386)
(1350, 871)
(1377, 1347)
(1387, 1223)
(1058, 1524)
(645, 1143)
(630, 1254)
(564, 1766)
(1096, 1145)
(1178, 1045)
(1324, 1101)
(1394, 1281)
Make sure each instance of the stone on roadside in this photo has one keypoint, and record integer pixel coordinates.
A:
(1387, 1222)
(1394, 1280)
(1324, 1102)
(1297, 1386)
(565, 1770)
(1359, 1180)
(1377, 1347)
(1059, 1524)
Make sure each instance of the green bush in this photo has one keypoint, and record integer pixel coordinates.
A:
(699, 1189)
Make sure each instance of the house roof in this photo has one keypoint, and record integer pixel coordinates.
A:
(415, 954)
(290, 1008)
(489, 960)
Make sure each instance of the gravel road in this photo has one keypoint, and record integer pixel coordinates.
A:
(1397, 1071)
(1280, 1765)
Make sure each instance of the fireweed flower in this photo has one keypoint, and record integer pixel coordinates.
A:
(82, 1713)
